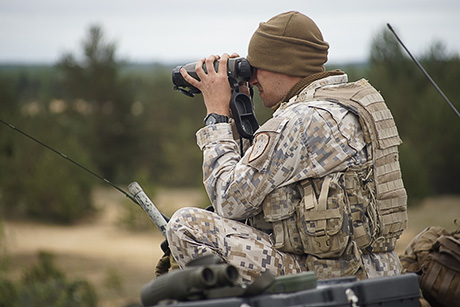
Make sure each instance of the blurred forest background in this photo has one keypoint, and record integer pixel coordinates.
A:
(125, 122)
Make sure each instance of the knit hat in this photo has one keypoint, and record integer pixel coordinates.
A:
(289, 43)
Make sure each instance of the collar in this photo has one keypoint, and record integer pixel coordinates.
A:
(308, 92)
(299, 86)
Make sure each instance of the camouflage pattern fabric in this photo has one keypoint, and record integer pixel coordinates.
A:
(303, 140)
(194, 232)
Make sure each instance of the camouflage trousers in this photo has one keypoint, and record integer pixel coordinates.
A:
(194, 232)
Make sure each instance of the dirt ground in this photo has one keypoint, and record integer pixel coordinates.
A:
(119, 262)
(116, 261)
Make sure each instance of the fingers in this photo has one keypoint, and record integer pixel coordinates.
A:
(199, 68)
(209, 63)
(189, 78)
(223, 63)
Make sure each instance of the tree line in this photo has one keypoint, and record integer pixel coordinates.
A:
(125, 122)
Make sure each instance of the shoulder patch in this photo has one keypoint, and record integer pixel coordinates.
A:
(261, 142)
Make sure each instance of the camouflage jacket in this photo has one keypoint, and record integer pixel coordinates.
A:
(302, 140)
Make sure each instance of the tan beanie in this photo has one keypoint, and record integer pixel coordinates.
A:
(289, 43)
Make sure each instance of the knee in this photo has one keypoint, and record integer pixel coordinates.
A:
(182, 220)
(178, 218)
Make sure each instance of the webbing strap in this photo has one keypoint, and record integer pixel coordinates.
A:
(451, 246)
(322, 202)
(457, 291)
(321, 235)
(429, 282)
(309, 197)
(322, 205)
(445, 283)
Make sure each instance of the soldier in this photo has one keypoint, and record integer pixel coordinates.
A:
(319, 190)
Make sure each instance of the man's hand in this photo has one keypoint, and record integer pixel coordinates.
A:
(214, 85)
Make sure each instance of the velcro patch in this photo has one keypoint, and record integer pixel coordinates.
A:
(261, 142)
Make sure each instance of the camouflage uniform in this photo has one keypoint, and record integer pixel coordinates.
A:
(309, 144)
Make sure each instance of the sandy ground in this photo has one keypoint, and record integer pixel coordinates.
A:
(99, 250)
(102, 252)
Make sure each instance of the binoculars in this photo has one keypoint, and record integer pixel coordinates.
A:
(238, 70)
(191, 283)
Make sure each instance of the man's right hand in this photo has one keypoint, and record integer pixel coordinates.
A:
(214, 85)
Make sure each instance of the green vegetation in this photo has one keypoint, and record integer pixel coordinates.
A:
(125, 122)
(428, 126)
(45, 285)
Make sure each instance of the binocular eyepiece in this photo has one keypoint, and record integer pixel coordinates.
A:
(190, 283)
(238, 70)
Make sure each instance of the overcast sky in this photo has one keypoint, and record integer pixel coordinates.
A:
(181, 30)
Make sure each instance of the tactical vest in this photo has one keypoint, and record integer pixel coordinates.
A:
(363, 209)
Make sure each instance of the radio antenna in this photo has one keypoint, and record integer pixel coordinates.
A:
(71, 160)
(424, 71)
(138, 195)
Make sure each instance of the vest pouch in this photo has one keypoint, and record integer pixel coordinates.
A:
(279, 209)
(362, 207)
(391, 199)
(323, 223)
(392, 221)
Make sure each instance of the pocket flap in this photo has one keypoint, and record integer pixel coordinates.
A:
(280, 204)
(325, 221)
(323, 214)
